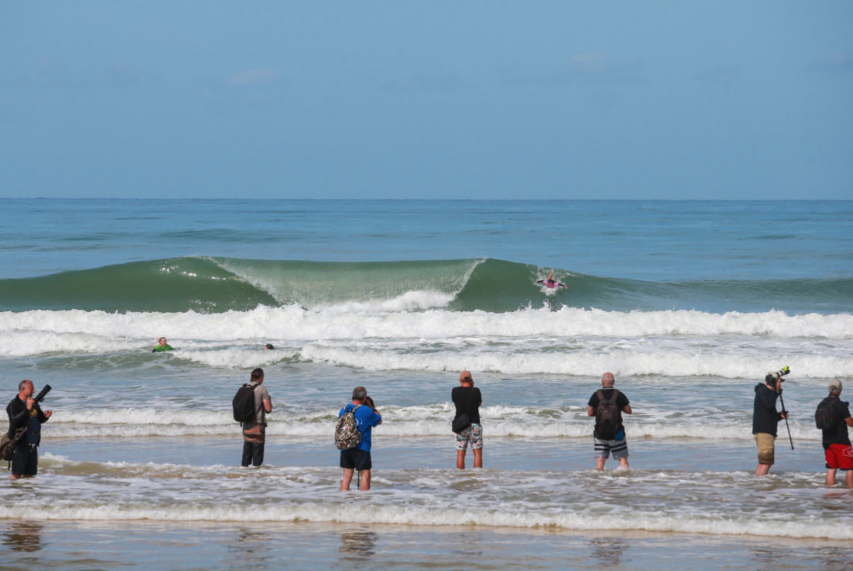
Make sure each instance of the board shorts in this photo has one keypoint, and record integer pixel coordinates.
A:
(25, 459)
(356, 459)
(472, 434)
(766, 448)
(603, 448)
(839, 456)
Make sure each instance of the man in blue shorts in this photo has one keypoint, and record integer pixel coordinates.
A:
(358, 457)
(607, 405)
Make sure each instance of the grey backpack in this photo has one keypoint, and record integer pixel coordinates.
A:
(347, 434)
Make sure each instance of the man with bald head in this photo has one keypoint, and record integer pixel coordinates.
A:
(607, 405)
(26, 416)
(466, 423)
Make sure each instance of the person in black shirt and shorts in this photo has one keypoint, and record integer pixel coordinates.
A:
(836, 440)
(607, 405)
(466, 423)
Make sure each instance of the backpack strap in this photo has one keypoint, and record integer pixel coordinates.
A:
(253, 392)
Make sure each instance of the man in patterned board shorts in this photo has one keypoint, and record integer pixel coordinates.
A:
(836, 440)
(607, 405)
(468, 400)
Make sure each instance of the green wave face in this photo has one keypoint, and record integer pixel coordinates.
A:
(212, 285)
(313, 284)
(163, 285)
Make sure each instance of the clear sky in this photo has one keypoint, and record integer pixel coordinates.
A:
(431, 99)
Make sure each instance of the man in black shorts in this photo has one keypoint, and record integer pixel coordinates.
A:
(607, 406)
(358, 458)
(26, 415)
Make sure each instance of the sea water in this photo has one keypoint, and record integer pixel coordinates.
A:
(689, 304)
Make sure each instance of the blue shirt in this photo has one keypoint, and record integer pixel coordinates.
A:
(34, 430)
(366, 418)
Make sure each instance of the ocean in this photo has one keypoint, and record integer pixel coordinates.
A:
(688, 304)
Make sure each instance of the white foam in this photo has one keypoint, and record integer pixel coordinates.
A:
(584, 363)
(295, 323)
(424, 421)
(371, 513)
(409, 301)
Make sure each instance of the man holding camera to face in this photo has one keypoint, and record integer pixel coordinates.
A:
(765, 419)
(25, 420)
(357, 458)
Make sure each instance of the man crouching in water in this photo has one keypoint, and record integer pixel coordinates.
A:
(25, 414)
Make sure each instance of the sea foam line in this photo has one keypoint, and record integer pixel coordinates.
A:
(298, 324)
(426, 517)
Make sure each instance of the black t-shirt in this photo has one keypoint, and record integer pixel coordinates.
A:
(838, 434)
(621, 401)
(467, 401)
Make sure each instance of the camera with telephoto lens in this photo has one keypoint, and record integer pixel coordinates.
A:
(779, 376)
(42, 393)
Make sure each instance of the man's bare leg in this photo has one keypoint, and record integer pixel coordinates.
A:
(348, 473)
(623, 463)
(849, 479)
(365, 480)
(762, 469)
(460, 459)
(830, 476)
(16, 477)
(478, 458)
(599, 463)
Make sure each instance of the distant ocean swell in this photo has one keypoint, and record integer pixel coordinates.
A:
(216, 285)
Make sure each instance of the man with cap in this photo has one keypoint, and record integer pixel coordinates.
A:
(765, 419)
(836, 441)
(358, 457)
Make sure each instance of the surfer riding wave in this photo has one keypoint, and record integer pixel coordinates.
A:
(550, 283)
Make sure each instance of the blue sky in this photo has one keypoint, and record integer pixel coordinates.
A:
(431, 99)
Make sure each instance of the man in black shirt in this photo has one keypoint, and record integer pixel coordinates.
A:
(764, 421)
(607, 406)
(25, 415)
(466, 423)
(836, 440)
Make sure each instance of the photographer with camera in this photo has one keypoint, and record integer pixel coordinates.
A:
(352, 435)
(765, 418)
(25, 420)
(833, 417)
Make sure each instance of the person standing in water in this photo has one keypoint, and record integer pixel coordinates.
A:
(551, 283)
(607, 405)
(468, 400)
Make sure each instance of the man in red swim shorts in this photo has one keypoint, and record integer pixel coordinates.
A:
(836, 441)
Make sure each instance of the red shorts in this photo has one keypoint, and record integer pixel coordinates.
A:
(839, 456)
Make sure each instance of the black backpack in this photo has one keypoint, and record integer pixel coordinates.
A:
(244, 404)
(607, 416)
(824, 416)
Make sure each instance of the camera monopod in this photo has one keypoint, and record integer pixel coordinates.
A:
(786, 418)
(778, 376)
